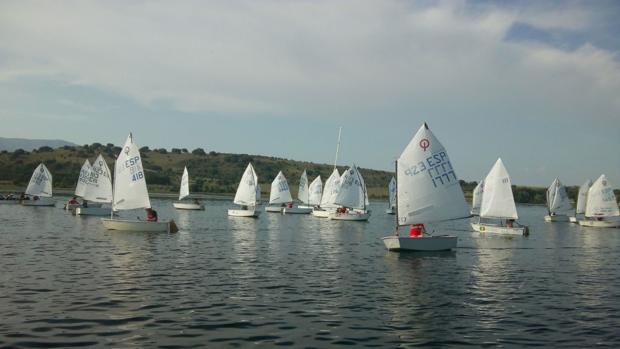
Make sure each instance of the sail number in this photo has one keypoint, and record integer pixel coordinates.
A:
(437, 166)
(133, 164)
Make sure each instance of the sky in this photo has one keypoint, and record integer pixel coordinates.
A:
(536, 83)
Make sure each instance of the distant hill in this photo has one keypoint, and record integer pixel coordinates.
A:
(12, 144)
(214, 173)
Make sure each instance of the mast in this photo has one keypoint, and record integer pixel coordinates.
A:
(396, 194)
(337, 147)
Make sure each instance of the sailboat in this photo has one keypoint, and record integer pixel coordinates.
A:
(391, 197)
(582, 198)
(316, 191)
(248, 195)
(98, 190)
(498, 211)
(427, 191)
(476, 199)
(183, 193)
(558, 204)
(40, 188)
(280, 194)
(80, 187)
(601, 207)
(303, 194)
(330, 190)
(352, 197)
(130, 193)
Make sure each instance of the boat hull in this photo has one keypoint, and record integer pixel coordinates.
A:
(243, 213)
(495, 229)
(71, 207)
(188, 206)
(93, 211)
(350, 216)
(273, 209)
(424, 243)
(573, 220)
(321, 213)
(599, 224)
(556, 218)
(297, 210)
(133, 225)
(40, 202)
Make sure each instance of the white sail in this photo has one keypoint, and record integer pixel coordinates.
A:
(40, 183)
(497, 201)
(582, 197)
(392, 192)
(428, 188)
(316, 190)
(248, 192)
(99, 187)
(83, 179)
(184, 190)
(560, 203)
(330, 190)
(601, 199)
(280, 192)
(476, 200)
(303, 194)
(550, 194)
(352, 192)
(130, 190)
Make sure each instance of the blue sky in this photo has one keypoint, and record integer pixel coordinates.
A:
(535, 82)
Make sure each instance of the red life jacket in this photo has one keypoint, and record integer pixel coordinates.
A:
(416, 230)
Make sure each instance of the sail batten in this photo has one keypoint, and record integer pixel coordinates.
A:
(428, 189)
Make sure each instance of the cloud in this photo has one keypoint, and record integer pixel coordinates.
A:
(312, 58)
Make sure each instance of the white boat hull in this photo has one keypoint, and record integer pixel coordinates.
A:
(297, 210)
(321, 213)
(599, 224)
(133, 225)
(243, 213)
(93, 211)
(273, 209)
(424, 243)
(573, 220)
(306, 206)
(556, 218)
(350, 216)
(500, 230)
(40, 202)
(188, 206)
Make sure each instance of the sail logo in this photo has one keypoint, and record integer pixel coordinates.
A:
(424, 144)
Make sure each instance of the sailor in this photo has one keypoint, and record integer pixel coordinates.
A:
(151, 215)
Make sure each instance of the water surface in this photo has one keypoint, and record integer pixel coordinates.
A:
(289, 280)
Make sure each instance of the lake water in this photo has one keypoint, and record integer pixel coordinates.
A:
(300, 281)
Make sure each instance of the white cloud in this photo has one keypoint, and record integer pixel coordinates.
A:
(319, 58)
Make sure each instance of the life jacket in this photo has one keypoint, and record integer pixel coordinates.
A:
(416, 230)
(151, 216)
